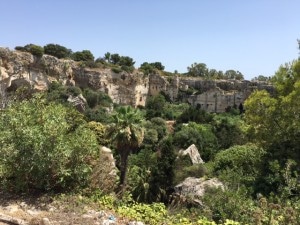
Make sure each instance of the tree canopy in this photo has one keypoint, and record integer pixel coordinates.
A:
(35, 50)
(84, 55)
(274, 120)
(57, 51)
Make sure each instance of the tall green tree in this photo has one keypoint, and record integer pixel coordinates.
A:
(198, 70)
(127, 134)
(115, 58)
(229, 130)
(155, 105)
(162, 173)
(286, 77)
(274, 119)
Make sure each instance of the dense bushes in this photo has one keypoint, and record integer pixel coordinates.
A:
(45, 147)
(60, 93)
(57, 50)
(96, 98)
(35, 50)
(240, 166)
(198, 134)
(229, 130)
(84, 55)
(195, 114)
(148, 68)
(98, 106)
(155, 106)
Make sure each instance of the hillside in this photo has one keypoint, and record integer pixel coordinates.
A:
(145, 145)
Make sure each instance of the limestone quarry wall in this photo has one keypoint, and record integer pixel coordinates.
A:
(21, 68)
(210, 95)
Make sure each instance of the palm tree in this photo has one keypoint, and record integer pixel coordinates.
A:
(127, 134)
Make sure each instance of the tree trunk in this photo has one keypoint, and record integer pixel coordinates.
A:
(124, 153)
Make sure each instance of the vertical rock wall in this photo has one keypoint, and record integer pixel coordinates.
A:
(19, 68)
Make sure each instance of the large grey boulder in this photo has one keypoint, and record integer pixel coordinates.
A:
(193, 153)
(195, 188)
(104, 175)
(78, 101)
(109, 156)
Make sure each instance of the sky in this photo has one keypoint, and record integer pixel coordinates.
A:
(254, 37)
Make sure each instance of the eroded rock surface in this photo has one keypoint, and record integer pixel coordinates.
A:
(18, 68)
(193, 153)
(195, 188)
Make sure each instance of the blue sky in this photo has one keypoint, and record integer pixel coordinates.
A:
(254, 37)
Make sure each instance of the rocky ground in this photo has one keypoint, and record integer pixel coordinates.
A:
(48, 210)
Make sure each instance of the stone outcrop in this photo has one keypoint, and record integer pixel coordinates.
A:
(104, 175)
(193, 153)
(211, 95)
(79, 102)
(219, 95)
(195, 188)
(21, 68)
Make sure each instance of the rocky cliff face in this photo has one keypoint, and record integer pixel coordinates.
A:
(210, 95)
(21, 68)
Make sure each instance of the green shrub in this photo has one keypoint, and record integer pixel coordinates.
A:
(155, 213)
(220, 205)
(162, 173)
(198, 134)
(116, 69)
(96, 98)
(160, 125)
(84, 55)
(240, 165)
(229, 130)
(128, 69)
(147, 68)
(183, 171)
(45, 146)
(57, 50)
(20, 48)
(99, 114)
(194, 114)
(154, 106)
(100, 131)
(74, 91)
(138, 183)
(35, 50)
(57, 92)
